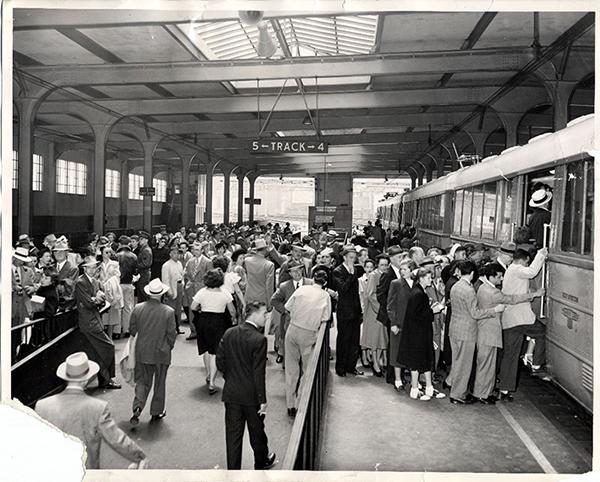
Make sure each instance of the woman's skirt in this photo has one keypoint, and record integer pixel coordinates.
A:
(210, 328)
(374, 335)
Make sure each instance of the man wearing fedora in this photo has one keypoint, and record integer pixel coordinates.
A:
(154, 324)
(540, 201)
(86, 417)
(261, 274)
(298, 251)
(144, 264)
(90, 299)
(67, 271)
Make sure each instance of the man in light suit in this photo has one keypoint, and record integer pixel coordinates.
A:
(261, 275)
(144, 264)
(193, 277)
(172, 275)
(154, 323)
(89, 298)
(519, 320)
(489, 330)
(397, 299)
(86, 417)
(463, 332)
(67, 272)
(280, 298)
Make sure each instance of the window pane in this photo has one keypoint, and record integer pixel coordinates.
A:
(15, 169)
(571, 232)
(477, 211)
(488, 224)
(466, 218)
(38, 172)
(589, 209)
(458, 202)
(441, 212)
(510, 197)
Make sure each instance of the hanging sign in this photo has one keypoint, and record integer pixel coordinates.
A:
(147, 191)
(288, 145)
(255, 201)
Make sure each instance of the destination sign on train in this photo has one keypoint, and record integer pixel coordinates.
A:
(294, 146)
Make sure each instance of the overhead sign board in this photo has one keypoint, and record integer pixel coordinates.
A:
(257, 202)
(147, 191)
(288, 146)
(325, 214)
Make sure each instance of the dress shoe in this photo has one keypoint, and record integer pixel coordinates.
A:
(161, 415)
(180, 332)
(459, 401)
(135, 418)
(126, 335)
(446, 386)
(356, 372)
(292, 412)
(212, 390)
(399, 388)
(191, 337)
(270, 462)
(111, 386)
(279, 359)
(340, 373)
(506, 397)
(116, 336)
(377, 373)
(487, 401)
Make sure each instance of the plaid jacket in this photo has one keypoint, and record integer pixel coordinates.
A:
(465, 312)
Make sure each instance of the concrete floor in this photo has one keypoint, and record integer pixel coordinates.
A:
(192, 435)
(371, 427)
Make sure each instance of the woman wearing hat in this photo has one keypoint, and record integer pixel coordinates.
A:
(46, 280)
(209, 305)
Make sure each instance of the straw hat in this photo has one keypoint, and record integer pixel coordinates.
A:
(77, 368)
(259, 244)
(89, 261)
(61, 244)
(22, 254)
(540, 198)
(156, 288)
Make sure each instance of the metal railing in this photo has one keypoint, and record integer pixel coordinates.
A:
(303, 447)
(48, 342)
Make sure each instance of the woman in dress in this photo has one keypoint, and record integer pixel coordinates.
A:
(369, 266)
(231, 283)
(374, 333)
(416, 345)
(209, 305)
(237, 259)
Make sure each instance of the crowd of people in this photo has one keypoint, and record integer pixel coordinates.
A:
(434, 321)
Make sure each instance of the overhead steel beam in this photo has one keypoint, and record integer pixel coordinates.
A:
(327, 100)
(419, 63)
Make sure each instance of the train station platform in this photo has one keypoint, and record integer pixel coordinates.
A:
(192, 435)
(371, 427)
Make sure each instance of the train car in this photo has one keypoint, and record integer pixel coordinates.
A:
(389, 212)
(484, 203)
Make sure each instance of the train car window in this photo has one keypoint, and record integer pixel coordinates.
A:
(477, 211)
(535, 180)
(458, 205)
(577, 226)
(488, 224)
(466, 217)
(442, 212)
(507, 208)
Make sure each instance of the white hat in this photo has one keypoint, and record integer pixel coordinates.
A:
(327, 251)
(259, 244)
(90, 261)
(22, 254)
(77, 368)
(540, 198)
(332, 233)
(156, 288)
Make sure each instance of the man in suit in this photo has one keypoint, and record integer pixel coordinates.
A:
(489, 330)
(308, 307)
(520, 320)
(463, 332)
(397, 299)
(297, 258)
(193, 278)
(89, 298)
(261, 275)
(383, 287)
(172, 276)
(280, 298)
(86, 417)
(128, 269)
(144, 264)
(345, 282)
(67, 272)
(154, 323)
(242, 358)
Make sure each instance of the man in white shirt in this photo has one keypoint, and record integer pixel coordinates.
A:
(519, 320)
(172, 276)
(309, 306)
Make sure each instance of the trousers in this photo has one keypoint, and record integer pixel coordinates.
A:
(512, 343)
(176, 304)
(128, 304)
(236, 418)
(462, 364)
(485, 372)
(284, 323)
(347, 344)
(145, 375)
(299, 345)
(101, 349)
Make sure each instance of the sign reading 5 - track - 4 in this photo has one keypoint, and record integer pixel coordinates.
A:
(288, 145)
